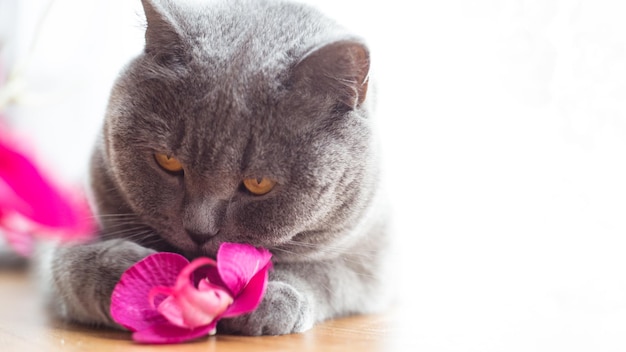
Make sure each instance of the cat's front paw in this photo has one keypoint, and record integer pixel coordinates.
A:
(283, 310)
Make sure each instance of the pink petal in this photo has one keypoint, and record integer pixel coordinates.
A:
(172, 311)
(40, 201)
(185, 277)
(167, 333)
(192, 308)
(251, 296)
(18, 233)
(130, 306)
(238, 263)
(207, 285)
(21, 242)
(156, 292)
(210, 274)
(85, 226)
(25, 191)
(9, 201)
(202, 307)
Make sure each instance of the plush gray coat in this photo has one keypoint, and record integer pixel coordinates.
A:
(234, 90)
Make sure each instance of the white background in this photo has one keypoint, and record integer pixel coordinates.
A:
(504, 134)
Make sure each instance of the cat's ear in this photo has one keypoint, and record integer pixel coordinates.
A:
(163, 39)
(339, 68)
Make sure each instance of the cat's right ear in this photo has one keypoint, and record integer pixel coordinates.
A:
(163, 38)
(339, 70)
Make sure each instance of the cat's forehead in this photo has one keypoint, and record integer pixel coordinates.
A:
(227, 99)
(251, 36)
(233, 130)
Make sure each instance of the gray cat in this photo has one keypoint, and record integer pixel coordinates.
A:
(241, 121)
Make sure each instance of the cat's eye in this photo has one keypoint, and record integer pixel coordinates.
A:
(168, 163)
(259, 185)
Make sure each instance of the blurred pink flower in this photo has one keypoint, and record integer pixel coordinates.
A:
(166, 299)
(31, 204)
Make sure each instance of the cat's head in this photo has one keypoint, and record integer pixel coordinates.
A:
(243, 121)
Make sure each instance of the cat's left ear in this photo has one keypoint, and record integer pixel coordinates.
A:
(163, 39)
(340, 68)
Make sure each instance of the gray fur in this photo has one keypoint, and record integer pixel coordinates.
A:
(237, 89)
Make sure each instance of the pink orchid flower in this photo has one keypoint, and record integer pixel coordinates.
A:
(30, 203)
(166, 299)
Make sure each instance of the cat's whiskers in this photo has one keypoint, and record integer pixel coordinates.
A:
(107, 225)
(152, 241)
(116, 217)
(284, 251)
(121, 215)
(127, 233)
(109, 221)
(110, 190)
(144, 238)
(127, 226)
(121, 229)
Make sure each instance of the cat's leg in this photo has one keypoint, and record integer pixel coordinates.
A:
(301, 294)
(82, 278)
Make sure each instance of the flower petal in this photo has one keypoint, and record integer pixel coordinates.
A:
(185, 277)
(210, 274)
(27, 192)
(202, 307)
(251, 296)
(168, 333)
(23, 243)
(130, 306)
(238, 263)
(191, 308)
(171, 309)
(9, 201)
(40, 200)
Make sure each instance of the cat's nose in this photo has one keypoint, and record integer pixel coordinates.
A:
(201, 237)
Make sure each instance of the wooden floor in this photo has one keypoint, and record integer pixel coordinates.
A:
(25, 327)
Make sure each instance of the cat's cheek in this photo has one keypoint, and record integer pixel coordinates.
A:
(278, 215)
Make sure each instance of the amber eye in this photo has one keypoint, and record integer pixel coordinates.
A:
(168, 163)
(259, 186)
